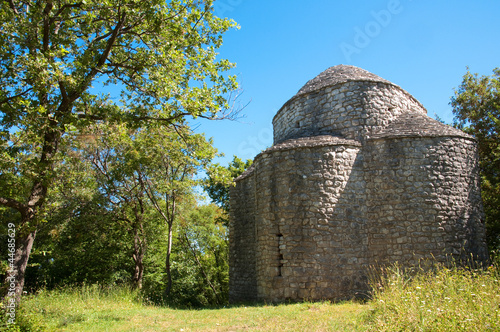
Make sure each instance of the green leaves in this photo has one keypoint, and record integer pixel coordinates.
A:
(151, 63)
(221, 178)
(476, 106)
(158, 58)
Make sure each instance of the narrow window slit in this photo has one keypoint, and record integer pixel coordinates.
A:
(280, 253)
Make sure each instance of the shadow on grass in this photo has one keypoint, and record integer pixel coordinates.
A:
(257, 304)
(79, 318)
(71, 319)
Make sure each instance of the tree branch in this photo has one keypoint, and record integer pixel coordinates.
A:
(61, 10)
(46, 25)
(13, 7)
(150, 194)
(170, 119)
(6, 100)
(12, 203)
(64, 94)
(101, 37)
(111, 41)
(102, 60)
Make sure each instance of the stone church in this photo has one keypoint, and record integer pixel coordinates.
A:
(358, 175)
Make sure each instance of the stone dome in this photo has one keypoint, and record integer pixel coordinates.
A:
(348, 102)
(353, 103)
(339, 74)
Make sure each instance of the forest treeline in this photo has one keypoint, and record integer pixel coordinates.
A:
(128, 209)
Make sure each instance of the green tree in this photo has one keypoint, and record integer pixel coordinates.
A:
(204, 239)
(87, 246)
(221, 179)
(160, 55)
(476, 106)
(167, 174)
(115, 164)
(81, 241)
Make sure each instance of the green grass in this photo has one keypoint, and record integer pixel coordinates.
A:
(441, 299)
(91, 309)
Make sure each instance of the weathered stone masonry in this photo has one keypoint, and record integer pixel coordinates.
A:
(358, 175)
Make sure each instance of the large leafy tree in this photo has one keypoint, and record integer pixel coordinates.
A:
(476, 105)
(160, 55)
(87, 245)
(115, 162)
(202, 254)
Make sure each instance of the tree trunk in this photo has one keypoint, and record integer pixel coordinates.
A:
(167, 261)
(140, 245)
(168, 216)
(24, 242)
(15, 276)
(138, 257)
(25, 236)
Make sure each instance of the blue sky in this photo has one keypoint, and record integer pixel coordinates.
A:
(423, 46)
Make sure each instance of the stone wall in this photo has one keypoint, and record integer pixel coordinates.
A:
(242, 241)
(423, 200)
(310, 234)
(328, 208)
(351, 110)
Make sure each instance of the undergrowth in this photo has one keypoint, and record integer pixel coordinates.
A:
(53, 309)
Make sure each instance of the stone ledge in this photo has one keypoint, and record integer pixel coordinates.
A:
(301, 143)
(309, 142)
(245, 174)
(417, 125)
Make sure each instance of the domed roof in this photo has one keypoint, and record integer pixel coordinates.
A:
(339, 74)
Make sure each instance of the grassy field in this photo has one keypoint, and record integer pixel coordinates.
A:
(92, 309)
(439, 300)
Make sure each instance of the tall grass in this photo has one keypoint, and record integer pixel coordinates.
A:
(58, 308)
(436, 299)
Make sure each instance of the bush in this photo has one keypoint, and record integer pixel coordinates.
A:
(24, 322)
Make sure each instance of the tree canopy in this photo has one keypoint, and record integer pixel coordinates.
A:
(476, 105)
